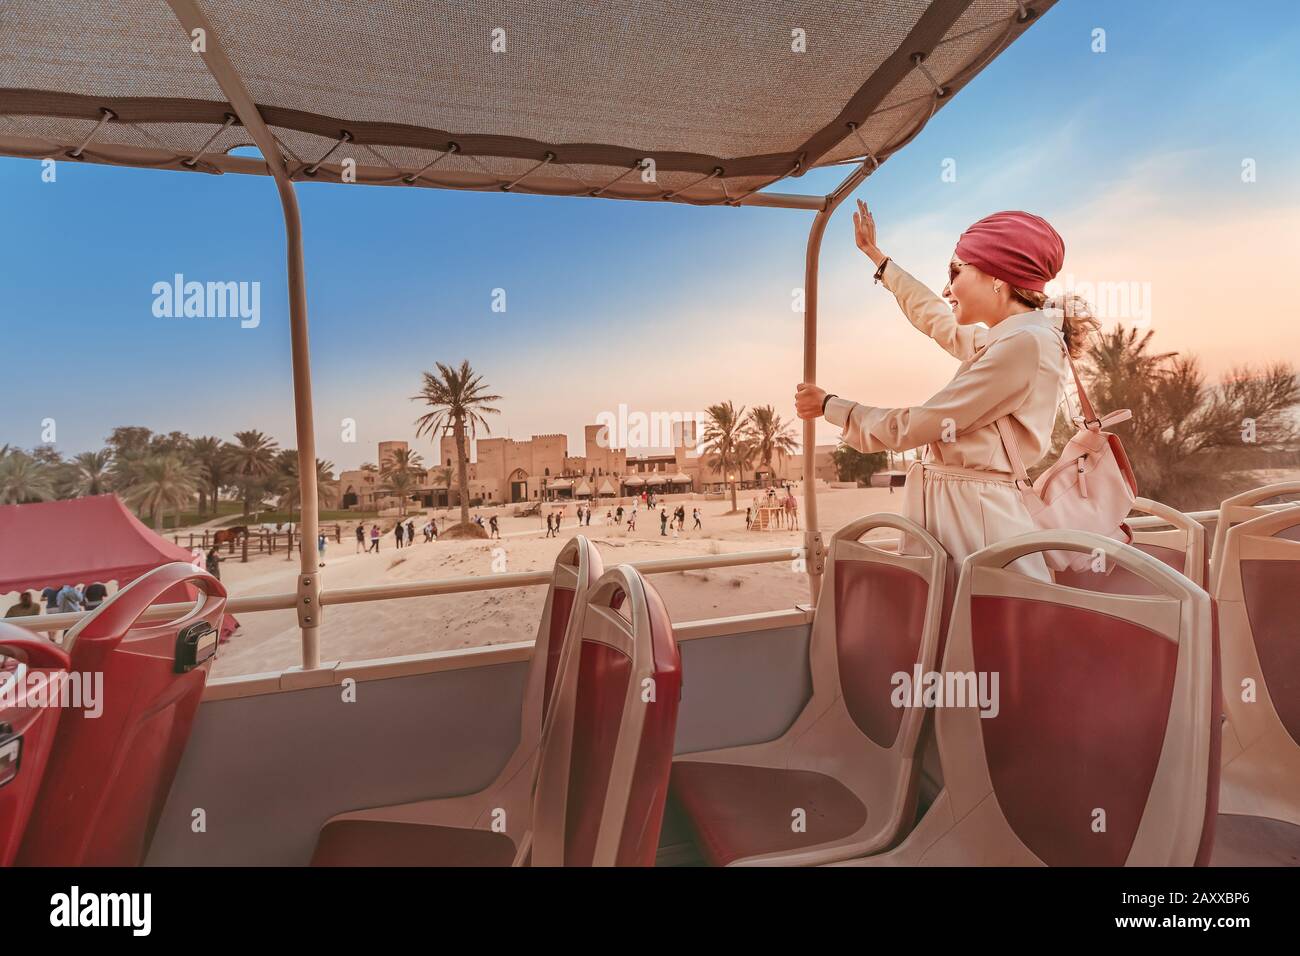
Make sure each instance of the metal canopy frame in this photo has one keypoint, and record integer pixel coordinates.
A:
(191, 16)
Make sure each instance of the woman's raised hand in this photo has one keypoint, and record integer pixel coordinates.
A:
(864, 233)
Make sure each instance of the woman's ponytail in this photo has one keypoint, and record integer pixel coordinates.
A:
(1077, 319)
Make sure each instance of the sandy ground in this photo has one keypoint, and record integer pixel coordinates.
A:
(269, 640)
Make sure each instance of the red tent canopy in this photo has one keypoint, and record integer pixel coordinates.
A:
(80, 541)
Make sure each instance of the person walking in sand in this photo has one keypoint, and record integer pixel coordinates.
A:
(496, 530)
(698, 526)
(320, 548)
(631, 521)
(410, 531)
(374, 539)
(663, 522)
(398, 533)
(361, 538)
(213, 562)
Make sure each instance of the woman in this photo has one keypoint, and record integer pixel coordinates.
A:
(1013, 344)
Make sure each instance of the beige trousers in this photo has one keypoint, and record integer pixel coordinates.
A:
(966, 511)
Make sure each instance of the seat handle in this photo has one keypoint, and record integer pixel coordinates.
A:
(33, 651)
(120, 612)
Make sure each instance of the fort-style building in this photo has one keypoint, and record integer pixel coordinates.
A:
(503, 470)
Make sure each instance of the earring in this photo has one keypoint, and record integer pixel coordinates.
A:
(996, 288)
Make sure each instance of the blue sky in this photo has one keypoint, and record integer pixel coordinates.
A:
(1134, 154)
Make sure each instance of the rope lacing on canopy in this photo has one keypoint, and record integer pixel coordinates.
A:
(345, 137)
(105, 115)
(451, 148)
(193, 161)
(639, 164)
(919, 60)
(795, 170)
(717, 171)
(506, 187)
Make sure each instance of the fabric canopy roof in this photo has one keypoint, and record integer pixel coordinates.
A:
(78, 541)
(721, 98)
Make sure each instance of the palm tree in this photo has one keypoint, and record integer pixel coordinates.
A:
(290, 490)
(1185, 439)
(23, 478)
(159, 483)
(730, 442)
(250, 462)
(457, 401)
(401, 472)
(90, 472)
(209, 454)
(440, 475)
(770, 435)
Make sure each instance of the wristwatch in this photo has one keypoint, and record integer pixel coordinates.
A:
(828, 397)
(880, 272)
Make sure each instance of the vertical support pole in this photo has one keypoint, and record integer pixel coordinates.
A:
(813, 548)
(197, 27)
(308, 588)
(812, 535)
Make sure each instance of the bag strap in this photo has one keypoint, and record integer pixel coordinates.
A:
(1085, 406)
(1013, 450)
(1008, 436)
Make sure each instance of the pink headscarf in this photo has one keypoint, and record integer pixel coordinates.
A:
(1016, 247)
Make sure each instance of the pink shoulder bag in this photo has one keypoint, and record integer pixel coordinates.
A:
(1090, 488)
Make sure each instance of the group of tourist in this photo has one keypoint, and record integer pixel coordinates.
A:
(674, 522)
(65, 599)
(403, 534)
(677, 521)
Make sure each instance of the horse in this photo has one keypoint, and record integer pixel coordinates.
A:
(229, 535)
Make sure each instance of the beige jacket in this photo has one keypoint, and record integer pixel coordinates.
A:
(1016, 368)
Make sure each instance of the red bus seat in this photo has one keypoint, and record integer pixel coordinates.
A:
(109, 775)
(842, 781)
(482, 828)
(31, 671)
(1243, 507)
(1257, 592)
(1102, 751)
(1181, 546)
(607, 746)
